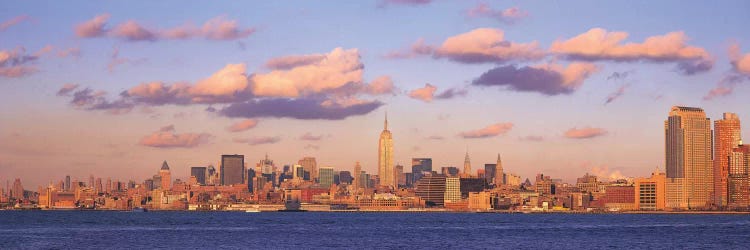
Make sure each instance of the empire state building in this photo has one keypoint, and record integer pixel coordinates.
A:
(385, 157)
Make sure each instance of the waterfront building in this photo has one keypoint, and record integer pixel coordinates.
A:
(385, 157)
(619, 198)
(689, 155)
(452, 189)
(326, 177)
(431, 189)
(739, 172)
(726, 137)
(199, 173)
(480, 200)
(232, 169)
(165, 176)
(650, 193)
(588, 183)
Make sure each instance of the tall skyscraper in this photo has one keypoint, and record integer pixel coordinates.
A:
(726, 137)
(199, 173)
(311, 166)
(17, 191)
(326, 176)
(232, 169)
(419, 166)
(467, 166)
(489, 173)
(91, 181)
(67, 183)
(688, 157)
(356, 183)
(499, 174)
(398, 175)
(385, 156)
(166, 176)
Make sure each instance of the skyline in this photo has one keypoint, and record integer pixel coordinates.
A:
(602, 112)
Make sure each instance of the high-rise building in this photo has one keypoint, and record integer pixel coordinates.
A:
(17, 191)
(98, 188)
(398, 176)
(489, 173)
(299, 172)
(420, 166)
(357, 182)
(166, 176)
(449, 171)
(212, 177)
(66, 187)
(738, 182)
(431, 189)
(688, 156)
(232, 170)
(385, 157)
(91, 181)
(250, 179)
(650, 193)
(467, 166)
(311, 166)
(326, 176)
(452, 189)
(345, 177)
(726, 137)
(499, 174)
(199, 173)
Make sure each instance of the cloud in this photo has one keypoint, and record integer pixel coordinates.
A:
(289, 62)
(93, 27)
(584, 133)
(508, 16)
(87, 99)
(300, 108)
(740, 62)
(132, 31)
(66, 89)
(424, 94)
(166, 137)
(115, 60)
(725, 86)
(620, 75)
(218, 28)
(382, 85)
(17, 63)
(548, 79)
(603, 173)
(487, 45)
(258, 140)
(600, 44)
(339, 68)
(532, 138)
(451, 93)
(418, 48)
(617, 94)
(489, 131)
(13, 21)
(243, 125)
(310, 137)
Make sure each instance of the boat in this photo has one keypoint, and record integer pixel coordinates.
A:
(139, 209)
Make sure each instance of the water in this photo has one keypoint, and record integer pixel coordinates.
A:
(235, 230)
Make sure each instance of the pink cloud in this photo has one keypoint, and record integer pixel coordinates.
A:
(489, 131)
(219, 28)
(418, 48)
(226, 83)
(12, 22)
(617, 94)
(66, 89)
(258, 140)
(243, 125)
(508, 16)
(382, 85)
(17, 63)
(725, 86)
(600, 44)
(740, 62)
(584, 133)
(93, 27)
(167, 137)
(486, 45)
(424, 94)
(289, 62)
(132, 31)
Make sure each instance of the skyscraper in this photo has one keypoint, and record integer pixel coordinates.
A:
(398, 175)
(326, 176)
(166, 177)
(311, 166)
(232, 170)
(356, 183)
(467, 166)
(385, 156)
(67, 183)
(499, 175)
(17, 191)
(199, 173)
(688, 157)
(419, 166)
(726, 137)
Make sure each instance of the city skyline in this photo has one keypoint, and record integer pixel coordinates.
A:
(188, 88)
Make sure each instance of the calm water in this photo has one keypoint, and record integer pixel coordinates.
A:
(71, 229)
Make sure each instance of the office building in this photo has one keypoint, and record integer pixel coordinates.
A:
(739, 172)
(165, 176)
(385, 157)
(467, 166)
(310, 165)
(232, 170)
(326, 176)
(689, 157)
(650, 193)
(431, 189)
(726, 137)
(199, 173)
(420, 166)
(499, 174)
(452, 189)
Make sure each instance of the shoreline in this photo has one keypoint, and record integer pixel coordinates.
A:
(404, 211)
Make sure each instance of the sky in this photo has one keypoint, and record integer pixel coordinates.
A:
(562, 88)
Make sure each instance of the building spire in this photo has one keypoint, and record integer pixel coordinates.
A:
(386, 121)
